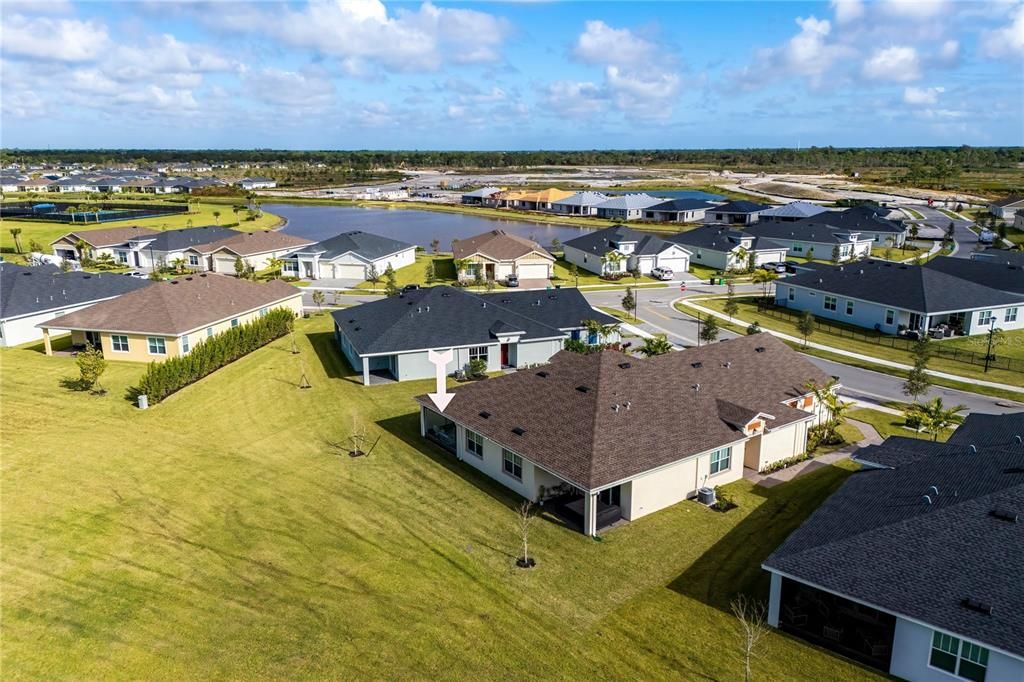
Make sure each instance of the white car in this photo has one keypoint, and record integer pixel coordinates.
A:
(136, 274)
(663, 274)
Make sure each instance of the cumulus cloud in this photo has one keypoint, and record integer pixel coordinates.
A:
(1007, 41)
(575, 99)
(847, 11)
(897, 64)
(920, 96)
(65, 40)
(914, 9)
(599, 43)
(809, 54)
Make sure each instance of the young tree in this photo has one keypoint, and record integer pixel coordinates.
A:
(239, 267)
(478, 276)
(91, 365)
(556, 244)
(371, 274)
(629, 302)
(431, 274)
(887, 252)
(709, 330)
(918, 382)
(731, 307)
(16, 233)
(935, 417)
(805, 325)
(526, 518)
(276, 266)
(235, 210)
(752, 618)
(435, 246)
(216, 217)
(810, 254)
(574, 272)
(318, 299)
(827, 397)
(655, 345)
(765, 278)
(835, 254)
(390, 281)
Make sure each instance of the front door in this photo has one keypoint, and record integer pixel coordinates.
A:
(93, 338)
(504, 355)
(489, 270)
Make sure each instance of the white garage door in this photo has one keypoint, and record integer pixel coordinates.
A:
(674, 264)
(349, 272)
(533, 271)
(224, 265)
(769, 257)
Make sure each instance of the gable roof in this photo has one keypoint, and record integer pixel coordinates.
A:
(801, 231)
(864, 218)
(795, 209)
(483, 192)
(572, 428)
(177, 306)
(909, 287)
(1008, 201)
(721, 238)
(25, 290)
(741, 207)
(179, 240)
(498, 245)
(878, 540)
(250, 243)
(630, 202)
(601, 242)
(675, 205)
(366, 245)
(582, 199)
(989, 430)
(1000, 256)
(989, 273)
(110, 236)
(546, 196)
(443, 317)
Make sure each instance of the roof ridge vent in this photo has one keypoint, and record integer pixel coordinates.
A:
(696, 365)
(583, 389)
(976, 605)
(1005, 515)
(625, 365)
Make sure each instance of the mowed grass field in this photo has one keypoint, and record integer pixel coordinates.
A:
(224, 534)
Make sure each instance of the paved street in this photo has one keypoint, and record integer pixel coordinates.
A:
(965, 239)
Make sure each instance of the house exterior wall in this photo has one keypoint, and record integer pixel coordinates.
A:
(823, 250)
(1006, 212)
(713, 216)
(591, 262)
(18, 330)
(911, 650)
(781, 443)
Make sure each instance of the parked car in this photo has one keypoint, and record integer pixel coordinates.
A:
(410, 287)
(791, 266)
(663, 274)
(136, 274)
(773, 267)
(986, 237)
(512, 281)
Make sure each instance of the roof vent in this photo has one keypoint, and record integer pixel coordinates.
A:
(1017, 440)
(542, 374)
(696, 365)
(583, 389)
(188, 279)
(759, 349)
(485, 414)
(519, 430)
(615, 407)
(174, 281)
(926, 499)
(1014, 470)
(975, 605)
(357, 329)
(726, 365)
(696, 388)
(973, 449)
(1005, 515)
(625, 365)
(445, 294)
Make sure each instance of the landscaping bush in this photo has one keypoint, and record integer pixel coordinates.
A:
(476, 368)
(822, 435)
(723, 500)
(788, 462)
(169, 376)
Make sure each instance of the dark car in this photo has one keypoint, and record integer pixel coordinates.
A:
(512, 281)
(791, 266)
(410, 287)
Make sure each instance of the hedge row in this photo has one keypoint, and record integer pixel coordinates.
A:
(168, 376)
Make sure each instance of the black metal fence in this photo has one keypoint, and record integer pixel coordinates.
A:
(57, 211)
(938, 349)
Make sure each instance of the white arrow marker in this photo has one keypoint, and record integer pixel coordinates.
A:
(441, 360)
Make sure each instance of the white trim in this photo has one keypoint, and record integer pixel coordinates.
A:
(468, 345)
(889, 306)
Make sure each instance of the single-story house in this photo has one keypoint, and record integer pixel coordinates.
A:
(791, 212)
(893, 297)
(619, 249)
(121, 243)
(735, 213)
(392, 337)
(256, 249)
(605, 436)
(1018, 221)
(678, 211)
(32, 295)
(349, 255)
(541, 200)
(1007, 208)
(913, 565)
(580, 203)
(167, 319)
(871, 222)
(508, 198)
(164, 248)
(801, 237)
(477, 196)
(626, 206)
(994, 273)
(35, 185)
(74, 183)
(725, 248)
(257, 183)
(497, 254)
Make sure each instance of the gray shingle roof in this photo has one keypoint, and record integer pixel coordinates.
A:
(582, 199)
(630, 201)
(878, 540)
(675, 205)
(661, 419)
(741, 207)
(795, 209)
(442, 317)
(363, 244)
(858, 219)
(801, 231)
(179, 240)
(989, 273)
(909, 287)
(989, 430)
(719, 238)
(602, 241)
(30, 290)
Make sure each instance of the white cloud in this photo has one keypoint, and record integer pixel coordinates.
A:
(810, 53)
(847, 11)
(950, 51)
(309, 90)
(574, 98)
(600, 44)
(1007, 41)
(897, 64)
(920, 96)
(914, 9)
(155, 97)
(66, 40)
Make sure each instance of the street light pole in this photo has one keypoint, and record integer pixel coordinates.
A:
(991, 333)
(698, 330)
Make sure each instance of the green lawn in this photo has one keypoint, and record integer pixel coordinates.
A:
(892, 425)
(562, 276)
(223, 534)
(1011, 344)
(748, 312)
(444, 272)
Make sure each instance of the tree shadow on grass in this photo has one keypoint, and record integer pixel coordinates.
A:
(331, 359)
(733, 564)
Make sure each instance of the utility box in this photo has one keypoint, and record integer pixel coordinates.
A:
(143, 401)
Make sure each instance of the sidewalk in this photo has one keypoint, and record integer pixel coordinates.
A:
(870, 437)
(850, 354)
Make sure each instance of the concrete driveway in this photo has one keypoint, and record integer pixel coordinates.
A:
(331, 283)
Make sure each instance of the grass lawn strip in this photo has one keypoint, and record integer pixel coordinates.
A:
(892, 425)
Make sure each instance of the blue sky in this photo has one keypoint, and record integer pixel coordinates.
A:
(346, 74)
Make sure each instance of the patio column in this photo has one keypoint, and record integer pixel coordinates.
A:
(423, 422)
(46, 341)
(590, 514)
(366, 371)
(774, 600)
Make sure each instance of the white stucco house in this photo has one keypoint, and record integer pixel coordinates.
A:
(618, 250)
(822, 241)
(349, 255)
(496, 255)
(1007, 208)
(257, 183)
(626, 206)
(725, 248)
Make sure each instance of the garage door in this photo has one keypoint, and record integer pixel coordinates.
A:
(349, 272)
(224, 265)
(769, 257)
(533, 271)
(674, 264)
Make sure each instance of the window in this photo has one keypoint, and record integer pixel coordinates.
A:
(119, 343)
(890, 316)
(849, 307)
(234, 322)
(829, 303)
(963, 659)
(592, 338)
(122, 256)
(290, 266)
(474, 443)
(157, 346)
(798, 248)
(193, 260)
(792, 294)
(985, 318)
(1011, 315)
(720, 460)
(209, 332)
(512, 464)
(478, 353)
(184, 344)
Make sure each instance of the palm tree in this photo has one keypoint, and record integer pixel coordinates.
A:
(602, 331)
(741, 255)
(16, 233)
(612, 258)
(276, 265)
(81, 247)
(235, 210)
(828, 398)
(655, 345)
(765, 279)
(935, 417)
(216, 217)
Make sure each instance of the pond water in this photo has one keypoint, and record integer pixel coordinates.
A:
(409, 225)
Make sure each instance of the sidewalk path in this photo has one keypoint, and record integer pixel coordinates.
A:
(850, 354)
(869, 437)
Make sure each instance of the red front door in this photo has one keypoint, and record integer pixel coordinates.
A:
(504, 355)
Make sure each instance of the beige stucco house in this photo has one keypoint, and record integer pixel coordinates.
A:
(168, 319)
(497, 254)
(256, 249)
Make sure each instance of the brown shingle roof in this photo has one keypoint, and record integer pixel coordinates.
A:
(499, 245)
(250, 243)
(662, 416)
(110, 236)
(177, 306)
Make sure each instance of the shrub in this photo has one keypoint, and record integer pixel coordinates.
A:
(787, 462)
(169, 376)
(476, 368)
(823, 434)
(723, 500)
